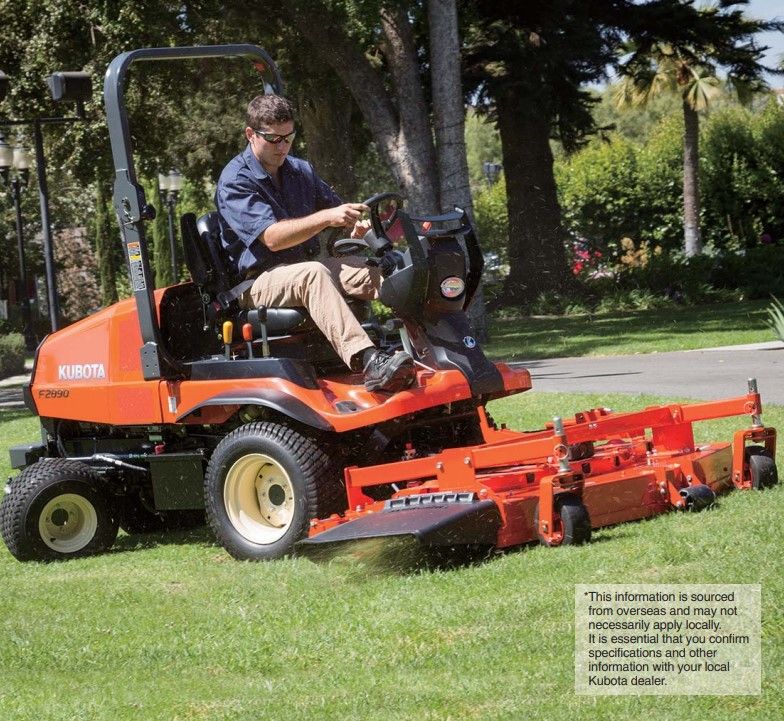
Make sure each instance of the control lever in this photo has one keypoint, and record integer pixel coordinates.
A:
(379, 246)
(228, 332)
(263, 322)
(247, 335)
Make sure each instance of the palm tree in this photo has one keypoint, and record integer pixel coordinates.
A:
(677, 70)
(698, 43)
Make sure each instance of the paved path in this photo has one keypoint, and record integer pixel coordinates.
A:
(706, 374)
(11, 388)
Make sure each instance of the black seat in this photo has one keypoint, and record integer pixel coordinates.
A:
(209, 269)
(291, 331)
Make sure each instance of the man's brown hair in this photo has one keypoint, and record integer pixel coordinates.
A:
(268, 110)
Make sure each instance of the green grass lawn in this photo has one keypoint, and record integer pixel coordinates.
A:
(630, 332)
(170, 628)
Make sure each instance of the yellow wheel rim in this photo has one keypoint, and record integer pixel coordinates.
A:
(68, 523)
(259, 498)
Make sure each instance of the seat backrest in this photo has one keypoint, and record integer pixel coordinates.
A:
(204, 254)
(209, 232)
(196, 256)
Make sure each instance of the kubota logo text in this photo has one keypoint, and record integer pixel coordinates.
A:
(80, 371)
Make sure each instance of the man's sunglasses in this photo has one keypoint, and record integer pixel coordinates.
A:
(275, 139)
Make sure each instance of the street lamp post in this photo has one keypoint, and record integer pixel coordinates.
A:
(491, 171)
(63, 86)
(170, 185)
(19, 160)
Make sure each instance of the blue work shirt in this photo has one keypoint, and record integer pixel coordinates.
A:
(248, 202)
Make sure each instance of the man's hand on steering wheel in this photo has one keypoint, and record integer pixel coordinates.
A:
(346, 215)
(360, 228)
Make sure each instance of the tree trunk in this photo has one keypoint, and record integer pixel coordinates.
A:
(104, 246)
(692, 237)
(418, 163)
(399, 145)
(449, 120)
(323, 111)
(537, 257)
(448, 108)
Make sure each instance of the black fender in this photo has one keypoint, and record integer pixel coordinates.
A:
(278, 401)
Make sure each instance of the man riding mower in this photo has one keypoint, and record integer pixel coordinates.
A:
(183, 400)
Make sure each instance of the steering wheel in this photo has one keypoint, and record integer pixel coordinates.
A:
(383, 210)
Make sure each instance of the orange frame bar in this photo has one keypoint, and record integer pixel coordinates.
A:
(457, 467)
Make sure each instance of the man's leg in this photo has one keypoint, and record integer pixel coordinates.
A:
(358, 280)
(312, 286)
(354, 277)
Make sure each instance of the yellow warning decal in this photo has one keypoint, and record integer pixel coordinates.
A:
(134, 251)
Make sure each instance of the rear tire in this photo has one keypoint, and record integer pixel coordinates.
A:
(57, 509)
(264, 484)
(762, 467)
(571, 520)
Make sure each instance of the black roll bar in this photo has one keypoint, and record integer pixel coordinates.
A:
(129, 201)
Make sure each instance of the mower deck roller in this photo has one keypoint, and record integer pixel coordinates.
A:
(555, 485)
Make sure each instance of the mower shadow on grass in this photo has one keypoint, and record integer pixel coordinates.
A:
(139, 541)
(378, 557)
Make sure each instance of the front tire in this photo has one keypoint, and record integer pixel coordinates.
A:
(264, 484)
(761, 467)
(56, 509)
(572, 524)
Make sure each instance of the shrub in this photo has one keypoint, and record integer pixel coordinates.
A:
(492, 222)
(619, 188)
(635, 299)
(598, 195)
(550, 303)
(742, 155)
(776, 317)
(12, 354)
(660, 186)
(756, 273)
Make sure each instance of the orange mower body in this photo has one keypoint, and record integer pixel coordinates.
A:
(179, 406)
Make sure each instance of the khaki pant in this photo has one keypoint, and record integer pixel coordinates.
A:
(319, 286)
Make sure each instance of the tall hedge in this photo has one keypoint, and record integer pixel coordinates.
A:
(12, 354)
(598, 192)
(618, 188)
(743, 165)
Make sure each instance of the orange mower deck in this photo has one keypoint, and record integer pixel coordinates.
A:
(512, 489)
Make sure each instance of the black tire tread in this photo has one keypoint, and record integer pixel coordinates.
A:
(575, 520)
(317, 467)
(579, 523)
(27, 485)
(753, 455)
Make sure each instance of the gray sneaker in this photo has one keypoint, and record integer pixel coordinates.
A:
(390, 373)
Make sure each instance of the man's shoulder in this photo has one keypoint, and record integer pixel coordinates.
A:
(298, 165)
(239, 169)
(233, 168)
